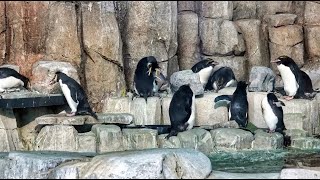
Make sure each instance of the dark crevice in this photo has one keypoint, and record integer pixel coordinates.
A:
(7, 35)
(83, 56)
(121, 11)
(111, 60)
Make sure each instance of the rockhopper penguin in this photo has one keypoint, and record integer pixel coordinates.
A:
(237, 104)
(10, 78)
(297, 84)
(204, 68)
(221, 78)
(74, 94)
(182, 110)
(144, 77)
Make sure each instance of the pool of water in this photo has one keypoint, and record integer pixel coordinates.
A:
(263, 161)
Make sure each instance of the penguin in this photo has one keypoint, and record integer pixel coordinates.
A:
(221, 78)
(10, 78)
(237, 104)
(273, 113)
(204, 68)
(144, 79)
(182, 110)
(74, 94)
(297, 84)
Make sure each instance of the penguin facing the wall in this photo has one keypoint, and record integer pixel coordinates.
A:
(204, 68)
(74, 94)
(273, 113)
(182, 110)
(221, 78)
(297, 84)
(10, 78)
(237, 104)
(144, 79)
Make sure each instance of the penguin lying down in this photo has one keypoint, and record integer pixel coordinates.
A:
(74, 94)
(221, 78)
(11, 79)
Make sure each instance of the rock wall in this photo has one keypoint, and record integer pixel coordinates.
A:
(104, 40)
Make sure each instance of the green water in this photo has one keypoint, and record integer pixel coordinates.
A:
(259, 161)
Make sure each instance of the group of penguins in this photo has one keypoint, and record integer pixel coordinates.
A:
(297, 84)
(149, 80)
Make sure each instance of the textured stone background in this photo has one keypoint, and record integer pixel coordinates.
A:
(104, 40)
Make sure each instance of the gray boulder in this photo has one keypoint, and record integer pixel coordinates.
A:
(262, 79)
(180, 78)
(149, 164)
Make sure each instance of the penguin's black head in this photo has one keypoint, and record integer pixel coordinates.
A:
(285, 60)
(186, 89)
(242, 85)
(273, 100)
(203, 64)
(56, 77)
(152, 64)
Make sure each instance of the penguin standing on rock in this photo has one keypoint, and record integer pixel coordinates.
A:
(182, 110)
(74, 94)
(144, 79)
(10, 78)
(297, 84)
(204, 68)
(273, 116)
(273, 113)
(221, 78)
(237, 104)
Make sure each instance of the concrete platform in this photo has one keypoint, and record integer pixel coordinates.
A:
(26, 99)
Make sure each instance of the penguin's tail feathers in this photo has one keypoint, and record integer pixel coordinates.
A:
(286, 138)
(172, 133)
(246, 129)
(145, 96)
(88, 112)
(94, 115)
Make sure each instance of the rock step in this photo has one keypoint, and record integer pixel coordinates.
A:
(298, 113)
(107, 138)
(147, 164)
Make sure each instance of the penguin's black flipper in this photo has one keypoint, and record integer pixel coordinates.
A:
(223, 100)
(223, 97)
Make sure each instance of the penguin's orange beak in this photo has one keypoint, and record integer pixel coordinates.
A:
(274, 61)
(53, 80)
(149, 71)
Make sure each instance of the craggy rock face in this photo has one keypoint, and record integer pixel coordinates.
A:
(43, 72)
(103, 41)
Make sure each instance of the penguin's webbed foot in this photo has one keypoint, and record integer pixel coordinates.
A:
(288, 98)
(71, 114)
(270, 131)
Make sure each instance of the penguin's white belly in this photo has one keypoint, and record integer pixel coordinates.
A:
(289, 80)
(231, 82)
(10, 82)
(67, 94)
(204, 74)
(192, 117)
(268, 115)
